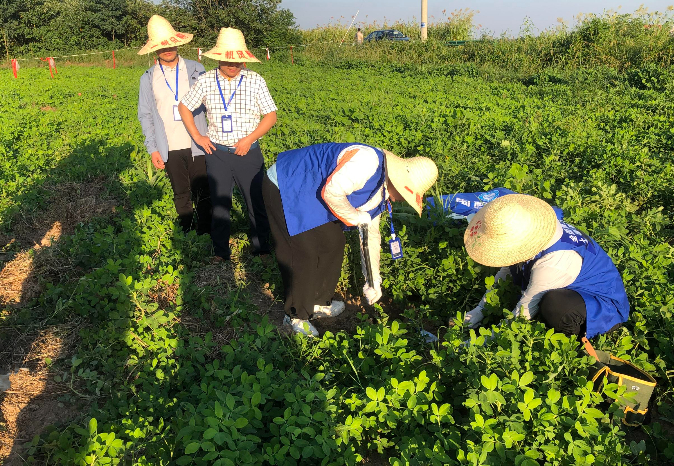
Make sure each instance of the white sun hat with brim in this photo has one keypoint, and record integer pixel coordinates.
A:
(231, 46)
(411, 177)
(161, 35)
(510, 230)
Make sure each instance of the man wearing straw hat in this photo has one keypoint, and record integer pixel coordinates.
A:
(240, 111)
(166, 139)
(311, 194)
(565, 276)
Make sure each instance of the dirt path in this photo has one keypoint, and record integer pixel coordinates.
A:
(34, 400)
(29, 343)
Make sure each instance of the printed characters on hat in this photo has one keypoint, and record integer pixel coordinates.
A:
(162, 35)
(231, 46)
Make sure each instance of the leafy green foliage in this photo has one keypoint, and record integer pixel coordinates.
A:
(53, 27)
(593, 142)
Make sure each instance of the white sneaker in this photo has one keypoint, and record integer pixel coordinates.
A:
(333, 310)
(301, 326)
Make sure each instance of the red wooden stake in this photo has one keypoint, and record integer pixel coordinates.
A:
(50, 60)
(14, 67)
(114, 63)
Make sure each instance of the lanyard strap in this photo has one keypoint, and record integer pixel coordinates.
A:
(169, 86)
(220, 89)
(390, 215)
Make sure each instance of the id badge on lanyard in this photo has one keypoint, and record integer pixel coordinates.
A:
(396, 247)
(176, 114)
(227, 122)
(394, 244)
(227, 126)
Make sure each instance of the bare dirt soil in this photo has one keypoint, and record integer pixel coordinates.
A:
(29, 258)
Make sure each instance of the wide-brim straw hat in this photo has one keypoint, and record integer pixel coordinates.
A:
(411, 177)
(509, 230)
(161, 35)
(231, 46)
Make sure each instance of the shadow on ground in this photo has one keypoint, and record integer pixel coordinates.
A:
(36, 255)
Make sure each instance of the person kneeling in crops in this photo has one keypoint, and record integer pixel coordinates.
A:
(310, 195)
(565, 276)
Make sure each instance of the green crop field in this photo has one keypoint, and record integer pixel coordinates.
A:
(159, 357)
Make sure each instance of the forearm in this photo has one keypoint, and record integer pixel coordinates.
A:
(341, 208)
(188, 121)
(147, 127)
(264, 126)
(150, 141)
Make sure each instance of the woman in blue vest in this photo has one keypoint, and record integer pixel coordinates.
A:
(565, 276)
(311, 194)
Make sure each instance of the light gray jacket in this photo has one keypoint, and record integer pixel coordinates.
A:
(151, 122)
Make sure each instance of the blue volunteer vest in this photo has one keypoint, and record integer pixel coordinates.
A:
(302, 174)
(599, 282)
(468, 203)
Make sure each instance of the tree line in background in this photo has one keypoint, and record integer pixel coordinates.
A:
(68, 26)
(617, 40)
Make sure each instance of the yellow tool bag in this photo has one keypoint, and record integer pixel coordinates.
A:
(609, 369)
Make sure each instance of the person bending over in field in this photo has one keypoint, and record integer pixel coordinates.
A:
(313, 193)
(565, 276)
(235, 99)
(166, 139)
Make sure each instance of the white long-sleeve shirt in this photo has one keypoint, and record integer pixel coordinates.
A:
(555, 270)
(163, 86)
(355, 166)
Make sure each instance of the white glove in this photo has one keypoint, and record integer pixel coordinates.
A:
(372, 294)
(473, 317)
(364, 218)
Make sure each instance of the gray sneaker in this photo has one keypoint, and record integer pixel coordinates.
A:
(333, 310)
(301, 326)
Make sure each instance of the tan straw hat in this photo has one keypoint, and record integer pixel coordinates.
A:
(161, 35)
(509, 230)
(231, 46)
(411, 177)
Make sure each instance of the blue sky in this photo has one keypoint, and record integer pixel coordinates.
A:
(496, 16)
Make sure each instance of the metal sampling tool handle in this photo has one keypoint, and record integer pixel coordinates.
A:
(362, 230)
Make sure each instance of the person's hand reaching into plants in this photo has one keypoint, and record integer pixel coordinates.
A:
(473, 317)
(372, 293)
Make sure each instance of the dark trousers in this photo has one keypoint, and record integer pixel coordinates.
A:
(310, 262)
(225, 168)
(564, 310)
(190, 184)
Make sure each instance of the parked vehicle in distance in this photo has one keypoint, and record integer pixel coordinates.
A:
(386, 34)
